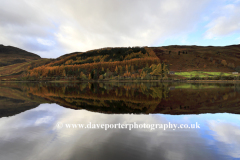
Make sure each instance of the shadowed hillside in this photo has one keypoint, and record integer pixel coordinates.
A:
(11, 55)
(14, 62)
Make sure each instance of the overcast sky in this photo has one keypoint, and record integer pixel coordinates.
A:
(52, 28)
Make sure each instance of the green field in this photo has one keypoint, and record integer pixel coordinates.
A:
(202, 74)
(187, 86)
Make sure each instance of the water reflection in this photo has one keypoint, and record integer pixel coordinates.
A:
(137, 98)
(33, 135)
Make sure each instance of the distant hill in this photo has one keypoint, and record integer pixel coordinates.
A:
(9, 50)
(11, 55)
(15, 61)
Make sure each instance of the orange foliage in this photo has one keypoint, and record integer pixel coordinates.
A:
(58, 70)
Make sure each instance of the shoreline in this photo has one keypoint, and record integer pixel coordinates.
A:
(133, 81)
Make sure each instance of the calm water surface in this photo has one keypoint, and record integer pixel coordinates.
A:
(31, 114)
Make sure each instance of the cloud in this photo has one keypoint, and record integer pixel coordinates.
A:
(227, 22)
(38, 138)
(129, 23)
(227, 136)
(58, 27)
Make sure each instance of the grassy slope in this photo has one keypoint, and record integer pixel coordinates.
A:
(11, 55)
(13, 72)
(203, 74)
(199, 58)
(14, 61)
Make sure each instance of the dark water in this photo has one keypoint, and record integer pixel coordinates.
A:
(32, 115)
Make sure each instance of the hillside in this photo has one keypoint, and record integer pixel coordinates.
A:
(14, 62)
(69, 54)
(148, 63)
(189, 58)
(15, 71)
(132, 63)
(11, 55)
(106, 63)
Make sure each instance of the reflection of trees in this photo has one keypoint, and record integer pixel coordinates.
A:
(237, 88)
(139, 97)
(94, 90)
(134, 97)
(157, 93)
(160, 92)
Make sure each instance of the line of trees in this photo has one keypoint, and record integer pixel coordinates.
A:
(138, 68)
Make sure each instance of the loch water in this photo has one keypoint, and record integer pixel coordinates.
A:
(37, 121)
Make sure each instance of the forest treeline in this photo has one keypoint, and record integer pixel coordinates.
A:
(103, 64)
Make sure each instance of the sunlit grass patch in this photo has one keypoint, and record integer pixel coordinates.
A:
(191, 86)
(202, 74)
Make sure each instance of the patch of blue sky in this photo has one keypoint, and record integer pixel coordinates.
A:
(233, 119)
(197, 38)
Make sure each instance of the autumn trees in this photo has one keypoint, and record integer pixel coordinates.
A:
(158, 71)
(110, 63)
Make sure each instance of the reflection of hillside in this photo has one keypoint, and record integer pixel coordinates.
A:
(196, 101)
(14, 100)
(143, 97)
(125, 97)
(104, 97)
